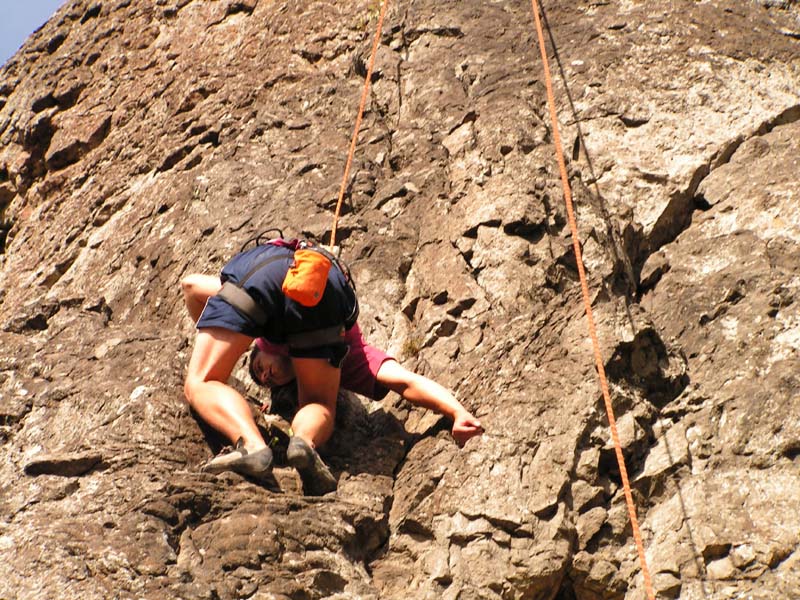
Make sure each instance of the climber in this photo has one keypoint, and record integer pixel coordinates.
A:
(370, 372)
(317, 357)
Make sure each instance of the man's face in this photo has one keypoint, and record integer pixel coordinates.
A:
(272, 369)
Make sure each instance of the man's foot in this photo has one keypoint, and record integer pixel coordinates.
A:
(256, 464)
(316, 476)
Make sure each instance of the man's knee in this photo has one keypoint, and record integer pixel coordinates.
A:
(190, 283)
(324, 404)
(189, 386)
(197, 289)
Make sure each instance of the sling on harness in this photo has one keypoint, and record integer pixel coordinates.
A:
(304, 283)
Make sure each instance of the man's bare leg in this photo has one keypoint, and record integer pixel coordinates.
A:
(197, 289)
(215, 354)
(317, 388)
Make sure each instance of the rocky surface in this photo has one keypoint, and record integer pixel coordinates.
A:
(140, 141)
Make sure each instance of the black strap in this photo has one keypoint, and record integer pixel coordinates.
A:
(260, 265)
(238, 297)
(242, 301)
(319, 337)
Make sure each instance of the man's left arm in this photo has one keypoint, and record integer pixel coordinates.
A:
(424, 392)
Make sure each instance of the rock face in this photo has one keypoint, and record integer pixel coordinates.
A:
(141, 141)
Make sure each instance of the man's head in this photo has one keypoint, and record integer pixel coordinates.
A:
(270, 369)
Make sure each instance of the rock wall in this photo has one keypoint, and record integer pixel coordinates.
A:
(141, 141)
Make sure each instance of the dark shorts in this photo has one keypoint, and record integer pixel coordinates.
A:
(360, 366)
(285, 316)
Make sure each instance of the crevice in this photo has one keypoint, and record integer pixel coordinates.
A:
(531, 232)
(92, 12)
(404, 47)
(69, 97)
(74, 151)
(677, 216)
(212, 137)
(244, 6)
(370, 537)
(646, 364)
(60, 269)
(633, 122)
(472, 232)
(36, 141)
(5, 228)
(55, 42)
(790, 115)
(472, 270)
(36, 318)
(410, 309)
(175, 157)
(310, 56)
(359, 68)
(308, 167)
(43, 103)
(674, 220)
(414, 34)
(566, 591)
(461, 306)
(791, 450)
(700, 203)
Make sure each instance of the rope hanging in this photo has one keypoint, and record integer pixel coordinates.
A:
(588, 306)
(353, 141)
(576, 247)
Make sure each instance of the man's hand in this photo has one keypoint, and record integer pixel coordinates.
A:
(465, 426)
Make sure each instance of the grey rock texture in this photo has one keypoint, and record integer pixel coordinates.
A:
(141, 141)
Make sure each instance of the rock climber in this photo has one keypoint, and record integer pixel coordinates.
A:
(318, 346)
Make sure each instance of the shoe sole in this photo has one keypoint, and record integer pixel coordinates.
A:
(241, 465)
(315, 474)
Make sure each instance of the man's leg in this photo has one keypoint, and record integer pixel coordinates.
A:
(317, 388)
(215, 354)
(197, 289)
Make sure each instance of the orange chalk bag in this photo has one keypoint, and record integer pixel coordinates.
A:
(306, 279)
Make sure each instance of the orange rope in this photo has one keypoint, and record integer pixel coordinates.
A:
(363, 103)
(588, 305)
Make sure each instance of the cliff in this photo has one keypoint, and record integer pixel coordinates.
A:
(141, 141)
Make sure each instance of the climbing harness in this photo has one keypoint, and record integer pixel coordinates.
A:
(304, 283)
(637, 536)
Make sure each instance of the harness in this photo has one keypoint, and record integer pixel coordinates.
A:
(239, 298)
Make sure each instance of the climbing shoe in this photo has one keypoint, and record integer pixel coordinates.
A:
(257, 464)
(316, 476)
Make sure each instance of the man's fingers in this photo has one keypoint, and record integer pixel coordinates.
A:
(466, 430)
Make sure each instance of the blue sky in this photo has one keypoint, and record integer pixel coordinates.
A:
(18, 19)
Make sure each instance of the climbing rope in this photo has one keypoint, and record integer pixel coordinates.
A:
(637, 536)
(361, 106)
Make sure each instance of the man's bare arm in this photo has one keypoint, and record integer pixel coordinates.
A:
(424, 392)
